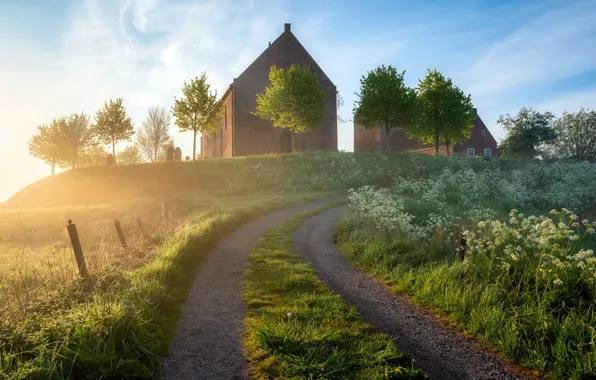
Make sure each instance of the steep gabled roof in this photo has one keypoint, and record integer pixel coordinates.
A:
(289, 51)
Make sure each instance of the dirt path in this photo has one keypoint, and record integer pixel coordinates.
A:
(208, 343)
(441, 352)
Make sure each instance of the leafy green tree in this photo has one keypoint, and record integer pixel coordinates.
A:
(112, 124)
(444, 111)
(529, 133)
(77, 135)
(93, 155)
(49, 143)
(130, 155)
(294, 100)
(576, 135)
(385, 101)
(197, 110)
(153, 138)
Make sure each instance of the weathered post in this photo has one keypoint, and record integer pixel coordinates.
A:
(110, 161)
(77, 248)
(142, 228)
(164, 211)
(178, 154)
(170, 154)
(462, 247)
(120, 234)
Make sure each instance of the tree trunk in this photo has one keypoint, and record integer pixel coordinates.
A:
(447, 146)
(436, 144)
(194, 145)
(114, 152)
(386, 146)
(53, 165)
(74, 159)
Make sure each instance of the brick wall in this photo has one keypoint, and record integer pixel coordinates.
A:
(219, 143)
(479, 140)
(253, 135)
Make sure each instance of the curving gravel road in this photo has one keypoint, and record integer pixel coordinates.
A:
(208, 342)
(439, 351)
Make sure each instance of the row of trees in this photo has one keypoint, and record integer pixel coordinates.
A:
(75, 141)
(436, 111)
(534, 134)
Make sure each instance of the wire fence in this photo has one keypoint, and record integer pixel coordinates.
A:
(42, 264)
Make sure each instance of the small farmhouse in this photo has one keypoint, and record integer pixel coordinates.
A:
(241, 133)
(481, 142)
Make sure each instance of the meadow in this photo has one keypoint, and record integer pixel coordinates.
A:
(527, 282)
(404, 223)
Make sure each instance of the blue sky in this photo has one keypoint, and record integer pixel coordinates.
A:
(65, 56)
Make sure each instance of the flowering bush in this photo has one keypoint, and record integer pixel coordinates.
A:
(542, 252)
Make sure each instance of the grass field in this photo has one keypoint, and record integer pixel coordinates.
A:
(118, 322)
(298, 329)
(527, 286)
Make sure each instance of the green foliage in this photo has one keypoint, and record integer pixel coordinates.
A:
(93, 155)
(112, 125)
(518, 270)
(198, 109)
(385, 101)
(444, 111)
(576, 135)
(77, 136)
(48, 143)
(528, 133)
(298, 329)
(294, 100)
(130, 155)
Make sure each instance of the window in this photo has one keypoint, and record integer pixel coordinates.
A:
(471, 152)
(487, 152)
(483, 132)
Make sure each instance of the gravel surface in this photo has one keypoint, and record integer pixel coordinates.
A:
(208, 343)
(441, 352)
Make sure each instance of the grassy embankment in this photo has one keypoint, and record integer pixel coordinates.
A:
(298, 329)
(527, 286)
(122, 328)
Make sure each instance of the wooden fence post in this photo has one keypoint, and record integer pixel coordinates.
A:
(142, 228)
(164, 211)
(120, 234)
(462, 247)
(77, 248)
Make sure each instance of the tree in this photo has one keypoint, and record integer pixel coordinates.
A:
(339, 104)
(294, 100)
(93, 155)
(385, 101)
(48, 144)
(153, 138)
(529, 133)
(112, 124)
(444, 112)
(576, 135)
(197, 110)
(130, 155)
(77, 136)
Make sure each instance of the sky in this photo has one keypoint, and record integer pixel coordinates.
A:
(64, 56)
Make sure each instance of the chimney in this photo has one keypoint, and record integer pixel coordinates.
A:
(287, 27)
(475, 111)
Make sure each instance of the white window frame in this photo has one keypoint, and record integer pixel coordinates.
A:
(470, 150)
(490, 153)
(483, 132)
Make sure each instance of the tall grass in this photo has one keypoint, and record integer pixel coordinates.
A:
(121, 328)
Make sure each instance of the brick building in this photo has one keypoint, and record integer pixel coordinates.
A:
(241, 133)
(481, 142)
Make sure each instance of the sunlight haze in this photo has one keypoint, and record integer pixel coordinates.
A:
(60, 57)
